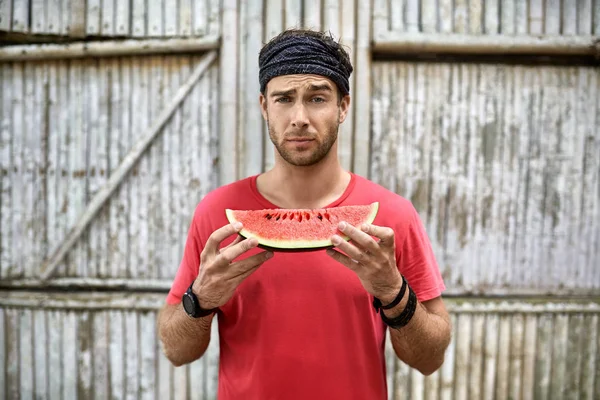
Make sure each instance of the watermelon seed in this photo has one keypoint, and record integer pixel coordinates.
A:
(320, 217)
(277, 219)
(327, 216)
(284, 216)
(268, 216)
(307, 216)
(300, 217)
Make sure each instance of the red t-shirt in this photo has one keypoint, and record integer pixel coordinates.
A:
(302, 326)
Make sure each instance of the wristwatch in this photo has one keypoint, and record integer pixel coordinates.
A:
(191, 305)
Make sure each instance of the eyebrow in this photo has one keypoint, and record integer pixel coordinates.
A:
(312, 88)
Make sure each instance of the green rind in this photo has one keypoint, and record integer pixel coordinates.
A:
(296, 245)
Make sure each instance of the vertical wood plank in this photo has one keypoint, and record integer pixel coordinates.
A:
(101, 361)
(75, 26)
(559, 356)
(507, 15)
(463, 356)
(212, 361)
(475, 12)
(250, 119)
(93, 18)
(200, 17)
(536, 17)
(590, 352)
(477, 358)
(503, 360)
(131, 355)
(362, 103)
(20, 16)
(6, 169)
(460, 16)
(413, 19)
(516, 356)
(108, 17)
(397, 15)
(569, 18)
(83, 352)
(38, 16)
(155, 22)
(122, 18)
(228, 157)
(12, 334)
(70, 370)
(52, 111)
(186, 17)
(574, 356)
(214, 17)
(529, 345)
(596, 17)
(521, 16)
(447, 370)
(117, 354)
(40, 348)
(381, 18)
(94, 89)
(3, 352)
(331, 16)
(491, 355)
(429, 16)
(491, 17)
(18, 171)
(313, 10)
(26, 360)
(293, 14)
(139, 24)
(585, 15)
(148, 345)
(55, 366)
(170, 15)
(63, 134)
(165, 377)
(6, 15)
(347, 38)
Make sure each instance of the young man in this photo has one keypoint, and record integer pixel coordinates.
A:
(306, 325)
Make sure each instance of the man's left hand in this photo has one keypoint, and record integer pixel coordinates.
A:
(371, 254)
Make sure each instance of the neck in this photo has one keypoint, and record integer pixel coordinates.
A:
(314, 186)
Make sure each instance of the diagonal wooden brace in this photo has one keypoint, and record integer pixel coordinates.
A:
(116, 178)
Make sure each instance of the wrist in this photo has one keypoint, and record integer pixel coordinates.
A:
(393, 302)
(205, 299)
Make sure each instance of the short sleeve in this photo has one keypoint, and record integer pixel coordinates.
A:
(417, 262)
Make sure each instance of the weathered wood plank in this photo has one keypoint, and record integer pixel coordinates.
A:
(228, 156)
(38, 16)
(41, 371)
(17, 177)
(590, 354)
(584, 17)
(214, 18)
(101, 362)
(108, 14)
(381, 18)
(347, 38)
(477, 357)
(3, 352)
(463, 358)
(397, 15)
(55, 327)
(429, 17)
(596, 17)
(312, 11)
(94, 88)
(412, 16)
(200, 17)
(575, 336)
(76, 24)
(116, 353)
(69, 345)
(12, 336)
(250, 126)
(26, 360)
(515, 384)
(139, 24)
(148, 348)
(559, 342)
(569, 18)
(170, 14)
(476, 16)
(529, 345)
(491, 17)
(122, 18)
(447, 369)
(186, 17)
(362, 104)
(460, 16)
(131, 355)
(6, 160)
(20, 17)
(93, 20)
(507, 16)
(83, 350)
(154, 18)
(536, 17)
(6, 15)
(292, 14)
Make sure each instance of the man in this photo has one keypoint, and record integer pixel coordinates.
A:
(306, 325)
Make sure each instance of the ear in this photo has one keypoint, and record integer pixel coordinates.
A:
(344, 108)
(263, 106)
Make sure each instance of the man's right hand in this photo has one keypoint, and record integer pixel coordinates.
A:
(219, 275)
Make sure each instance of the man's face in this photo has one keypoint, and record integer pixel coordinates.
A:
(303, 114)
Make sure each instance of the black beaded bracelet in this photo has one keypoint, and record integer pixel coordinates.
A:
(406, 315)
(377, 303)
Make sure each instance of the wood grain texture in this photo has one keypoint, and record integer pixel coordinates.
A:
(517, 170)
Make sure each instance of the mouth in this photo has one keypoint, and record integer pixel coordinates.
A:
(299, 140)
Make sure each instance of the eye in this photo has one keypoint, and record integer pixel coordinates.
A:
(318, 99)
(282, 99)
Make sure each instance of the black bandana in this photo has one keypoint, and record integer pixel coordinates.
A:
(303, 55)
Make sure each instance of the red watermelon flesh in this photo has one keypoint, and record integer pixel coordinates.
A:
(300, 229)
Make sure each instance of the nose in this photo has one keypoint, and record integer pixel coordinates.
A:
(299, 116)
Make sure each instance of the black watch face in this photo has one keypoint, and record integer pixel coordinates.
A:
(188, 304)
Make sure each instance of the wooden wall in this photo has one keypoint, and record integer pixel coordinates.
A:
(501, 160)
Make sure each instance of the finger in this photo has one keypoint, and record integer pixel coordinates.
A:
(384, 233)
(238, 239)
(244, 268)
(362, 239)
(215, 239)
(231, 253)
(351, 250)
(343, 259)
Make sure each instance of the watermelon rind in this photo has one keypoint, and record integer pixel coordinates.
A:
(296, 245)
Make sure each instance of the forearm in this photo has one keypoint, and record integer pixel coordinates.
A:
(184, 339)
(422, 343)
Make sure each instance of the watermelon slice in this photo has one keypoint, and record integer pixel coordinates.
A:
(299, 229)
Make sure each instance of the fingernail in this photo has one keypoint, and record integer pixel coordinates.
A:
(365, 228)
(329, 251)
(237, 225)
(268, 255)
(336, 240)
(342, 226)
